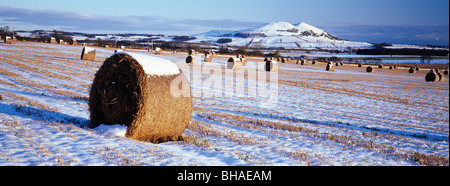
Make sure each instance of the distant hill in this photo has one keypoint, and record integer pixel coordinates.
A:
(278, 35)
(273, 35)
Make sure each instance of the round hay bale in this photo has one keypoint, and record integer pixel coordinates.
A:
(135, 90)
(341, 63)
(234, 63)
(242, 58)
(391, 67)
(283, 60)
(7, 40)
(88, 54)
(192, 52)
(432, 76)
(158, 51)
(359, 65)
(211, 53)
(380, 66)
(73, 42)
(412, 70)
(370, 69)
(313, 62)
(446, 72)
(417, 69)
(330, 67)
(304, 62)
(191, 59)
(52, 40)
(271, 66)
(208, 58)
(441, 76)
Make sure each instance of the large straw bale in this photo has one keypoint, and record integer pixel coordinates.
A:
(271, 66)
(370, 69)
(191, 59)
(7, 40)
(330, 67)
(234, 63)
(52, 40)
(432, 76)
(124, 92)
(208, 58)
(158, 51)
(88, 54)
(73, 42)
(192, 52)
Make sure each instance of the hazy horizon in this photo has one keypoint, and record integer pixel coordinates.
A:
(398, 21)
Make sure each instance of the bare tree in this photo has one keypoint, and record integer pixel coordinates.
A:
(4, 31)
(58, 35)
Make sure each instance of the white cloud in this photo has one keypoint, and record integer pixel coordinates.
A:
(69, 21)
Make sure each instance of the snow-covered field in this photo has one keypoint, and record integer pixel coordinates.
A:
(346, 117)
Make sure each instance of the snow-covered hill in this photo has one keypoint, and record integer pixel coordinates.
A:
(278, 35)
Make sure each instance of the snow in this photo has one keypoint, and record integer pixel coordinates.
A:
(272, 29)
(79, 37)
(398, 46)
(279, 35)
(24, 34)
(113, 130)
(305, 27)
(342, 118)
(154, 65)
(88, 49)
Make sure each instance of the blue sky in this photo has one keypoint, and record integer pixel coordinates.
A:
(413, 21)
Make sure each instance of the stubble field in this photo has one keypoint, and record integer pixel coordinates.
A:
(342, 118)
